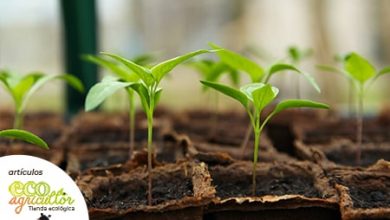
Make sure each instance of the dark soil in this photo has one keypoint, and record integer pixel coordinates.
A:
(373, 131)
(368, 157)
(234, 183)
(370, 197)
(121, 195)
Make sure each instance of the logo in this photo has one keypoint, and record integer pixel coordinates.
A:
(38, 194)
(33, 188)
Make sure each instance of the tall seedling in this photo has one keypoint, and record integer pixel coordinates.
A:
(257, 73)
(21, 88)
(148, 90)
(254, 98)
(108, 85)
(362, 73)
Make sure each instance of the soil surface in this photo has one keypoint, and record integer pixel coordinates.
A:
(235, 183)
(373, 131)
(122, 195)
(368, 156)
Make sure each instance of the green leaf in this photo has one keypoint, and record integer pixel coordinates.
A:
(157, 96)
(161, 69)
(248, 89)
(239, 62)
(24, 136)
(297, 103)
(328, 68)
(263, 96)
(24, 85)
(116, 69)
(144, 59)
(383, 71)
(312, 81)
(143, 94)
(143, 73)
(70, 79)
(282, 67)
(359, 68)
(101, 91)
(233, 93)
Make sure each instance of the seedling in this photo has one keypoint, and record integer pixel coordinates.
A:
(255, 97)
(24, 136)
(148, 90)
(257, 73)
(21, 88)
(296, 56)
(362, 73)
(212, 71)
(107, 88)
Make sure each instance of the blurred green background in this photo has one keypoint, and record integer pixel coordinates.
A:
(32, 36)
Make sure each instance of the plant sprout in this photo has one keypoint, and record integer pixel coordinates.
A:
(212, 71)
(24, 136)
(257, 73)
(296, 56)
(21, 88)
(254, 98)
(362, 73)
(108, 88)
(148, 90)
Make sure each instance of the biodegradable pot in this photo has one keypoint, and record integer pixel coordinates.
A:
(294, 190)
(342, 152)
(375, 130)
(170, 149)
(54, 154)
(280, 129)
(227, 136)
(364, 193)
(179, 192)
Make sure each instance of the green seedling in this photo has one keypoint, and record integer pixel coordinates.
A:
(257, 73)
(296, 56)
(212, 71)
(148, 90)
(21, 88)
(254, 98)
(108, 86)
(24, 136)
(362, 73)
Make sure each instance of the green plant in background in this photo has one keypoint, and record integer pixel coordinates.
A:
(255, 97)
(296, 56)
(24, 136)
(212, 71)
(362, 73)
(21, 88)
(257, 73)
(110, 85)
(148, 90)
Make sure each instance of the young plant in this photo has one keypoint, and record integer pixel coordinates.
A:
(362, 73)
(254, 98)
(296, 56)
(257, 73)
(212, 71)
(108, 86)
(21, 88)
(148, 90)
(24, 136)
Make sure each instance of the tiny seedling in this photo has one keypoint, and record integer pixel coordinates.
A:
(362, 73)
(24, 136)
(148, 90)
(255, 97)
(21, 88)
(110, 85)
(296, 57)
(257, 73)
(212, 71)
